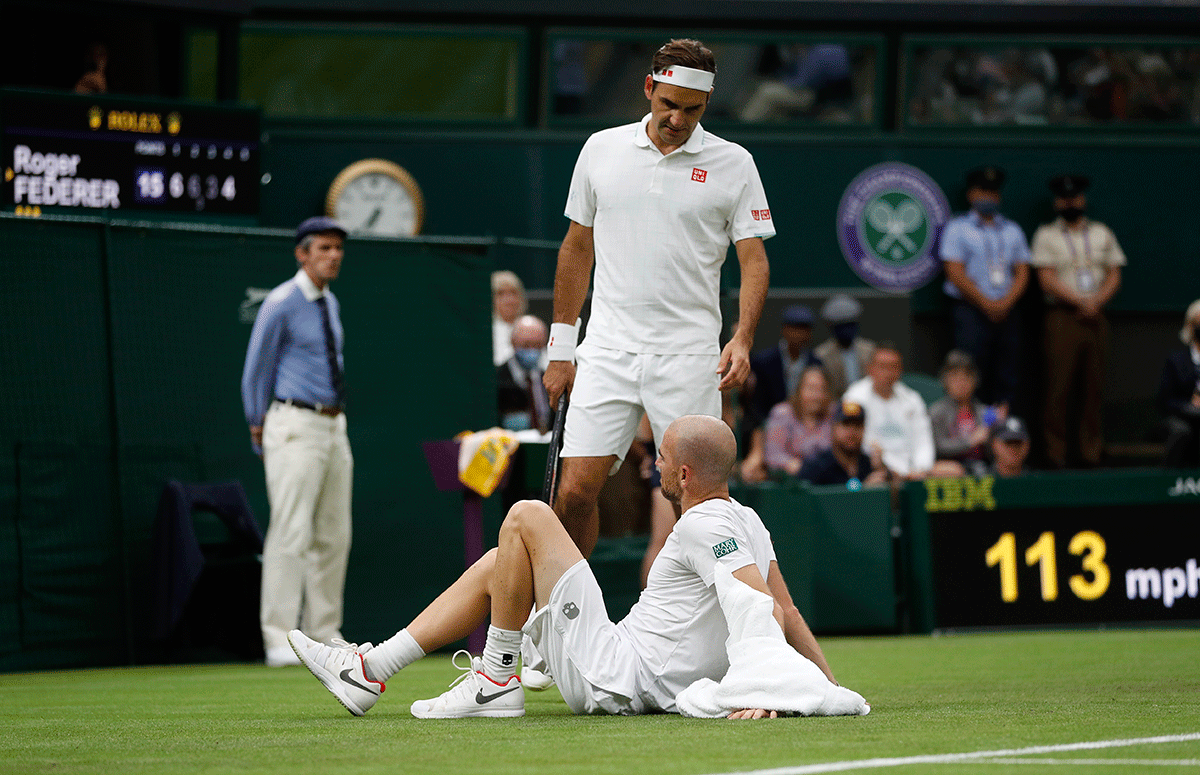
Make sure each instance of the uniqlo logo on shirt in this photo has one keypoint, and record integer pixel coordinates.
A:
(761, 215)
(699, 175)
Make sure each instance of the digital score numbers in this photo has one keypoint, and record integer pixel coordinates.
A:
(87, 154)
(997, 565)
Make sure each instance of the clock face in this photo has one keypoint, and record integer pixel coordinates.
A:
(377, 197)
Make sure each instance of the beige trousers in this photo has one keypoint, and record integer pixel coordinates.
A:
(309, 471)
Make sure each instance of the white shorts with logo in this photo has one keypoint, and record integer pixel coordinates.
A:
(583, 649)
(613, 387)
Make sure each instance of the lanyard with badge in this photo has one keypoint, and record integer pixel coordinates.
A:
(994, 259)
(1086, 281)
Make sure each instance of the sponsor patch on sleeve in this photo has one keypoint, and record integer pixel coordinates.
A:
(724, 548)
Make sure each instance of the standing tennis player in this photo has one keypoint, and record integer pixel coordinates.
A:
(653, 207)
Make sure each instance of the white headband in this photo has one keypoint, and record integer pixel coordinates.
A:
(687, 77)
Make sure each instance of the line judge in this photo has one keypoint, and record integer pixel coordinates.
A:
(293, 394)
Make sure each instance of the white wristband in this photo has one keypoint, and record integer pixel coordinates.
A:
(562, 342)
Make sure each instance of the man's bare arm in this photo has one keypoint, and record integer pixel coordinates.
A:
(572, 277)
(734, 365)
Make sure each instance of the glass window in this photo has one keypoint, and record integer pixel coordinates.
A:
(1053, 84)
(369, 71)
(779, 82)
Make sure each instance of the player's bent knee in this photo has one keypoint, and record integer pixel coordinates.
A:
(526, 513)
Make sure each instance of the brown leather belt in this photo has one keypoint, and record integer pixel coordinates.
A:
(328, 411)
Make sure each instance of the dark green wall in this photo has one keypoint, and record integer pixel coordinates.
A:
(122, 360)
(514, 185)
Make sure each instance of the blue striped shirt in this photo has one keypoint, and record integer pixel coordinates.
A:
(286, 356)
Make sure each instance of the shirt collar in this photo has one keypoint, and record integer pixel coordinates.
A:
(308, 287)
(642, 140)
(977, 219)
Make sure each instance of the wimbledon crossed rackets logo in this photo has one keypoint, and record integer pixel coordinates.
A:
(895, 225)
(888, 223)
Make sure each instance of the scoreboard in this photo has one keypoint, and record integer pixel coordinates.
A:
(91, 154)
(1057, 549)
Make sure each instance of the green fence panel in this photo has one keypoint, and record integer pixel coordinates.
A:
(854, 566)
(72, 582)
(10, 558)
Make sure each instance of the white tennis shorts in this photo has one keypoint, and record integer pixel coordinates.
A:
(583, 649)
(613, 387)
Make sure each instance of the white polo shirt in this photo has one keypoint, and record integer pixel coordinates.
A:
(661, 229)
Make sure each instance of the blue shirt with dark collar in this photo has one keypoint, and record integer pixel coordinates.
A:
(286, 356)
(987, 251)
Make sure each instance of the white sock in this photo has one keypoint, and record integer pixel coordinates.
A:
(391, 656)
(500, 654)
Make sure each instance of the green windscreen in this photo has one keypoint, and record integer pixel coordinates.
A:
(305, 71)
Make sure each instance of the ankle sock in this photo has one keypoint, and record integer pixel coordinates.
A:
(391, 656)
(500, 654)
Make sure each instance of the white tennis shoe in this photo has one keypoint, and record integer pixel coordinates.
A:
(340, 667)
(474, 695)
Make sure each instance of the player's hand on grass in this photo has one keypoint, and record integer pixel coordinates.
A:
(753, 713)
(559, 376)
(734, 366)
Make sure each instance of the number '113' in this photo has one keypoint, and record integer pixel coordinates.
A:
(1087, 545)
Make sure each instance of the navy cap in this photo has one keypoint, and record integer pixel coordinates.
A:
(988, 178)
(1067, 186)
(797, 315)
(849, 411)
(841, 309)
(1012, 429)
(317, 225)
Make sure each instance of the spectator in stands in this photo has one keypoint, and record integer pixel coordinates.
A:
(777, 369)
(986, 259)
(845, 356)
(95, 70)
(799, 428)
(897, 421)
(844, 462)
(1010, 447)
(812, 77)
(508, 304)
(1179, 395)
(961, 422)
(521, 396)
(1079, 265)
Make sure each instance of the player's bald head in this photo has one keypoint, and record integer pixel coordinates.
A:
(706, 445)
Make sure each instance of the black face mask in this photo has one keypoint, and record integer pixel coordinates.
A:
(1196, 333)
(1071, 214)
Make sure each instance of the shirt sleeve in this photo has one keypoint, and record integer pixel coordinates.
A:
(262, 358)
(707, 539)
(1044, 253)
(1020, 245)
(1113, 255)
(751, 215)
(950, 246)
(581, 197)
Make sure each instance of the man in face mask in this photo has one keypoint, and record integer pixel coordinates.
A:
(986, 259)
(521, 396)
(845, 355)
(1079, 265)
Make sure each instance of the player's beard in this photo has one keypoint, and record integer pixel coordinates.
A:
(670, 487)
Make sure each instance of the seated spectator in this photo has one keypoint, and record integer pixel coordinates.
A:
(897, 421)
(777, 369)
(844, 462)
(508, 304)
(520, 395)
(799, 427)
(1010, 447)
(845, 356)
(960, 421)
(1179, 395)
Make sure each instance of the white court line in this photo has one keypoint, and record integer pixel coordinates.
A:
(868, 764)
(1138, 762)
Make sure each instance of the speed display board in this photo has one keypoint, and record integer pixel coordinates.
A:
(1060, 549)
(93, 154)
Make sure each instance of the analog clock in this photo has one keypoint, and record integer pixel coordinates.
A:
(376, 197)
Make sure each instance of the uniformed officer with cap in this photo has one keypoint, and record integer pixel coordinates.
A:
(293, 394)
(1079, 265)
(986, 260)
